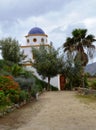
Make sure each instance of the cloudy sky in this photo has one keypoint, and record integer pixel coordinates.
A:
(56, 17)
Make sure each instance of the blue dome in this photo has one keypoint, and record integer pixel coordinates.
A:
(36, 30)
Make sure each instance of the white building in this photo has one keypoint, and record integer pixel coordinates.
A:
(35, 37)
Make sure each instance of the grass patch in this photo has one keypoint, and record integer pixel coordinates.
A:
(2, 108)
(87, 98)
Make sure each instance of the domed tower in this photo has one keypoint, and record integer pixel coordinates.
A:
(36, 36)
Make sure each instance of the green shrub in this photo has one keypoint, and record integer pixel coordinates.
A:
(23, 96)
(3, 72)
(13, 95)
(14, 98)
(33, 92)
(85, 81)
(93, 85)
(2, 98)
(35, 89)
(27, 74)
(67, 86)
(16, 70)
(25, 83)
(5, 67)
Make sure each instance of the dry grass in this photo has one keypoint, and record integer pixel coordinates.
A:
(87, 98)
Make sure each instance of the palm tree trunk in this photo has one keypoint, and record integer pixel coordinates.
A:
(83, 77)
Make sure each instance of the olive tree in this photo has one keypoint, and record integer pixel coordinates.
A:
(11, 50)
(47, 62)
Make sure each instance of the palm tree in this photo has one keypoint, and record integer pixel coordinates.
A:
(81, 44)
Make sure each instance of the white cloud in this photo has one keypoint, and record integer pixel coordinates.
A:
(56, 17)
(90, 23)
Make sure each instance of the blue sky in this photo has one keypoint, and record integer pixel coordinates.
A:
(56, 17)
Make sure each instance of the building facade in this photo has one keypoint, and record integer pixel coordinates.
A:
(35, 37)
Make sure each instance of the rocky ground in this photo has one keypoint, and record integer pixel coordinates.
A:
(53, 111)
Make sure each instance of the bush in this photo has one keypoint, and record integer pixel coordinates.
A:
(25, 83)
(36, 89)
(23, 96)
(9, 88)
(67, 86)
(16, 70)
(93, 85)
(5, 67)
(13, 95)
(7, 83)
(2, 98)
(4, 63)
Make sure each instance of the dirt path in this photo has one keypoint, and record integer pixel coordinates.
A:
(53, 111)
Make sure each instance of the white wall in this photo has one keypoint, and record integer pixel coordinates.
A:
(28, 52)
(54, 81)
(38, 40)
(0, 54)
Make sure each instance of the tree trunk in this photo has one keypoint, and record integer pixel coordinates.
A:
(83, 84)
(48, 87)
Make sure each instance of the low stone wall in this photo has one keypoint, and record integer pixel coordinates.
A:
(11, 108)
(86, 91)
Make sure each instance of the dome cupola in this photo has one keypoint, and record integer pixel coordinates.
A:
(36, 30)
(36, 36)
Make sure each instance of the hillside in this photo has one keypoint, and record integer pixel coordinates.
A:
(91, 68)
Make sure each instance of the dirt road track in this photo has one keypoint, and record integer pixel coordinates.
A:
(53, 111)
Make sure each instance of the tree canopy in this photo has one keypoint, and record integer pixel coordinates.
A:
(81, 44)
(47, 61)
(11, 50)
